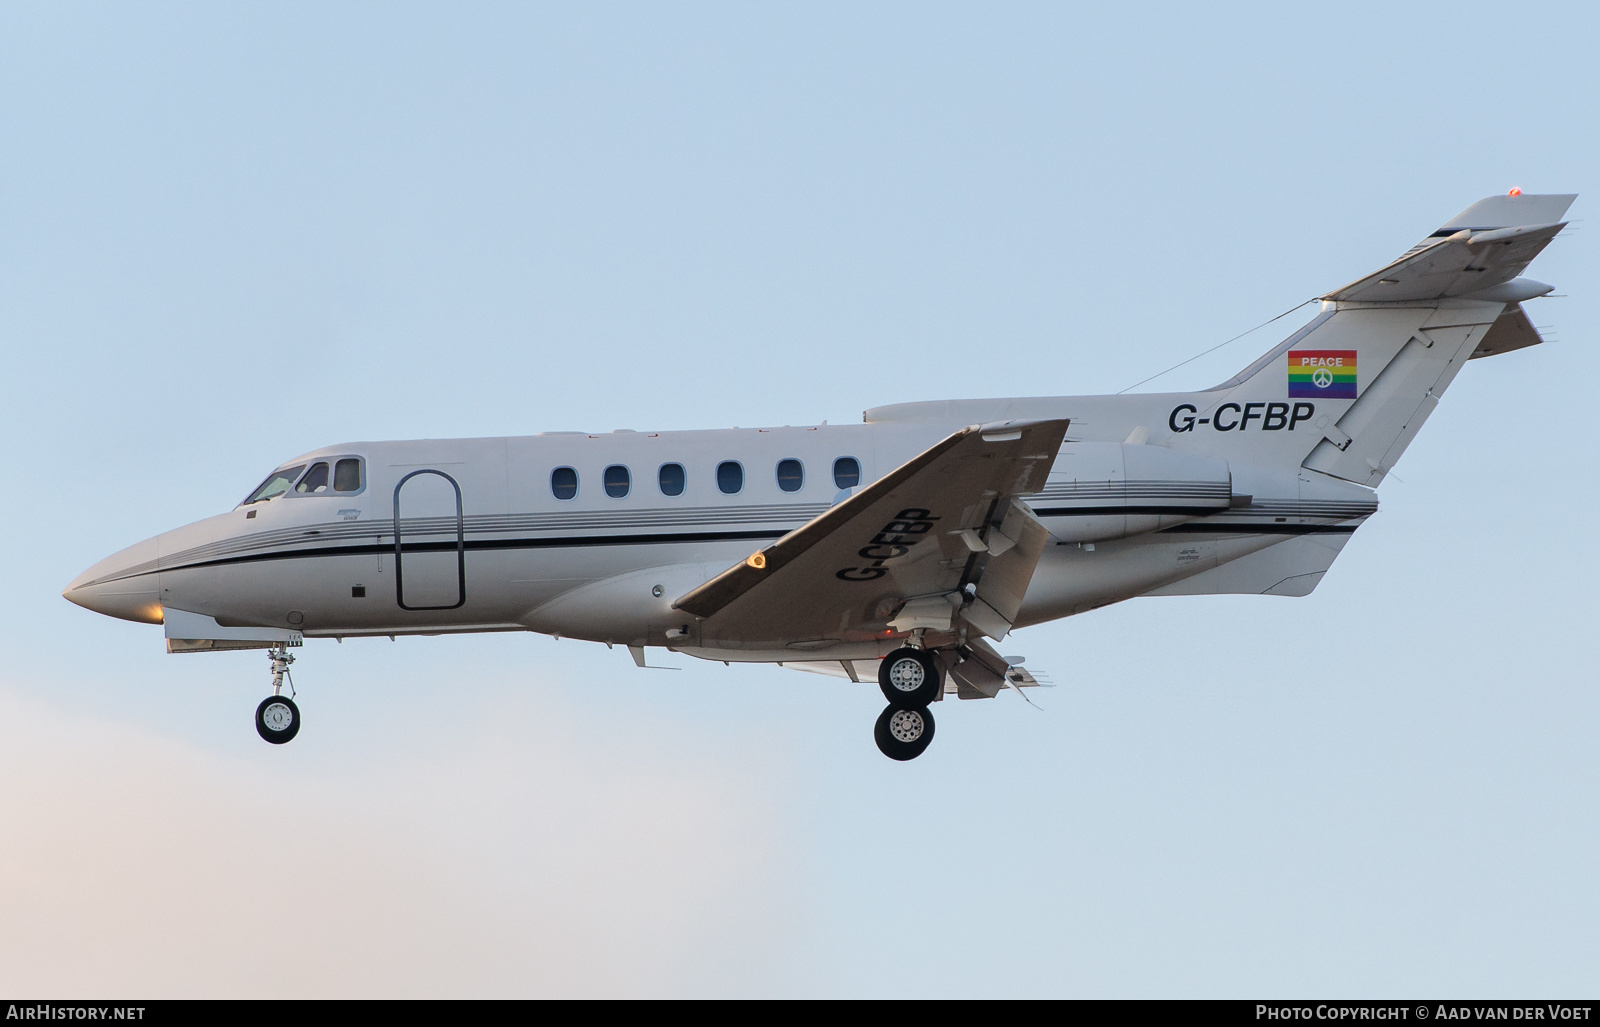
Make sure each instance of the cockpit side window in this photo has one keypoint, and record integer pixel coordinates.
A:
(315, 482)
(347, 475)
(277, 484)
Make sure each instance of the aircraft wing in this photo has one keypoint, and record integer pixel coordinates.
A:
(1488, 244)
(899, 554)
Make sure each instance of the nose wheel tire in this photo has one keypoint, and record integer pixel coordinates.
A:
(277, 719)
(910, 678)
(903, 734)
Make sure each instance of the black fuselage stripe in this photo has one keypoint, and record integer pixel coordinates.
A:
(676, 538)
(1260, 529)
(451, 545)
(1097, 511)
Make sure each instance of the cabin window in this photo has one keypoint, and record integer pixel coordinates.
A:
(277, 484)
(846, 472)
(791, 475)
(315, 481)
(564, 482)
(617, 481)
(671, 477)
(730, 477)
(347, 475)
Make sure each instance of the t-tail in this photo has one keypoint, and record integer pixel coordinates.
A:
(1346, 394)
(1254, 485)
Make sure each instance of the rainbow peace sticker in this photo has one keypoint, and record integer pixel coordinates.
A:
(1322, 374)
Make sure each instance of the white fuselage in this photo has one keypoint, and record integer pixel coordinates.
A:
(1126, 519)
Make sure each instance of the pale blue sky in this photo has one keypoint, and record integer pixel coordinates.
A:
(231, 233)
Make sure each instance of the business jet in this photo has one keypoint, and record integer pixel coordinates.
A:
(901, 550)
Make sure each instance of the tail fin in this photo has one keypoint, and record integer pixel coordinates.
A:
(1353, 387)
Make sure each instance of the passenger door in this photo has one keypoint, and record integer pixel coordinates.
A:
(430, 551)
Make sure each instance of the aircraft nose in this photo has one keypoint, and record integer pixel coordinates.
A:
(123, 585)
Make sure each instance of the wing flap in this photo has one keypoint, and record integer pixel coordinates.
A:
(1006, 574)
(980, 672)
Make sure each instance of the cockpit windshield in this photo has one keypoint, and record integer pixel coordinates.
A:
(277, 483)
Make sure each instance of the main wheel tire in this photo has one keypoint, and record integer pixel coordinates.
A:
(277, 719)
(910, 678)
(903, 734)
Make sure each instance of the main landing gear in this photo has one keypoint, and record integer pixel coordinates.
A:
(910, 679)
(903, 734)
(278, 718)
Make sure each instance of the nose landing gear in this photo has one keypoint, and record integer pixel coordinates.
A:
(278, 718)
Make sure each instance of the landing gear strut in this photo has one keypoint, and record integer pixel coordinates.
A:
(278, 718)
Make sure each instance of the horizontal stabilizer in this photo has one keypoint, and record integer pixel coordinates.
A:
(1488, 244)
(1509, 211)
